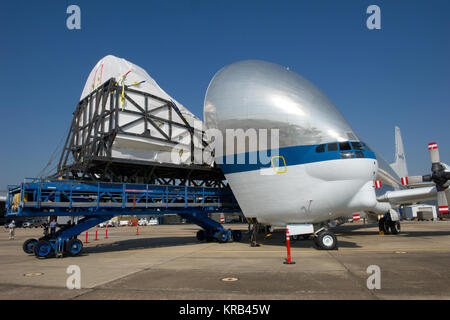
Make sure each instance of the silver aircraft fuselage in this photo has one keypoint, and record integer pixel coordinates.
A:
(322, 169)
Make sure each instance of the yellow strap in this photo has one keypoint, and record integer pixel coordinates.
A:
(121, 81)
(123, 96)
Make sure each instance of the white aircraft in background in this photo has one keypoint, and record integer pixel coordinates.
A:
(322, 169)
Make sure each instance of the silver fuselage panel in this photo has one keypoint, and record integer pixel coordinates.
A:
(263, 95)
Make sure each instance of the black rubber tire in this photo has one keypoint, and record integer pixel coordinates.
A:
(384, 225)
(380, 224)
(201, 235)
(70, 244)
(39, 249)
(326, 240)
(395, 227)
(237, 235)
(28, 246)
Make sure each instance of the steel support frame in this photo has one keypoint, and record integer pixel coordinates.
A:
(68, 232)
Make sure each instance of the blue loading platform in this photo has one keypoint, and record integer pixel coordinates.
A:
(96, 202)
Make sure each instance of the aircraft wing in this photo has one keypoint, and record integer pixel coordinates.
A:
(409, 196)
(420, 185)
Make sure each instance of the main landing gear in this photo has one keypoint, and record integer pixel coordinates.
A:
(387, 226)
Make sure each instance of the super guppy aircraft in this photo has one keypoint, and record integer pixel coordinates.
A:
(322, 169)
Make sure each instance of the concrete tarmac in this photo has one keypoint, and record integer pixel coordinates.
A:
(167, 262)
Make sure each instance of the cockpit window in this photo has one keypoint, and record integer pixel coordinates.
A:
(364, 146)
(344, 146)
(320, 148)
(356, 145)
(332, 147)
(359, 145)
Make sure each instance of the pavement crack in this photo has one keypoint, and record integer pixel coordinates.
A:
(353, 276)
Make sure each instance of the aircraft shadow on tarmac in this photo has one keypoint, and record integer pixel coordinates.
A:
(277, 239)
(142, 243)
(359, 230)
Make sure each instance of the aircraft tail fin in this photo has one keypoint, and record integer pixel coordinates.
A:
(399, 166)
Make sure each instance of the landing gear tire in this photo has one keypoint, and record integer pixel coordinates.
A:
(74, 247)
(28, 246)
(384, 225)
(395, 227)
(237, 235)
(201, 235)
(42, 249)
(326, 240)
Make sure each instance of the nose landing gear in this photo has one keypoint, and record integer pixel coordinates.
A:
(325, 240)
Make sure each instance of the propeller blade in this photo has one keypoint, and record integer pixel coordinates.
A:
(434, 152)
(442, 202)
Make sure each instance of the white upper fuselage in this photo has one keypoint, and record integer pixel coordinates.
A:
(320, 169)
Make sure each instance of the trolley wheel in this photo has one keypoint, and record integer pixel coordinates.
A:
(74, 247)
(42, 249)
(28, 246)
(395, 227)
(237, 235)
(326, 240)
(222, 236)
(201, 235)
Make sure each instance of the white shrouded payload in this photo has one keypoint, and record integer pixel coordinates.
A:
(148, 123)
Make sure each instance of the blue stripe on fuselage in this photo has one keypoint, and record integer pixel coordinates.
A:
(294, 155)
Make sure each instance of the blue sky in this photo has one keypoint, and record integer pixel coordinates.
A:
(398, 75)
